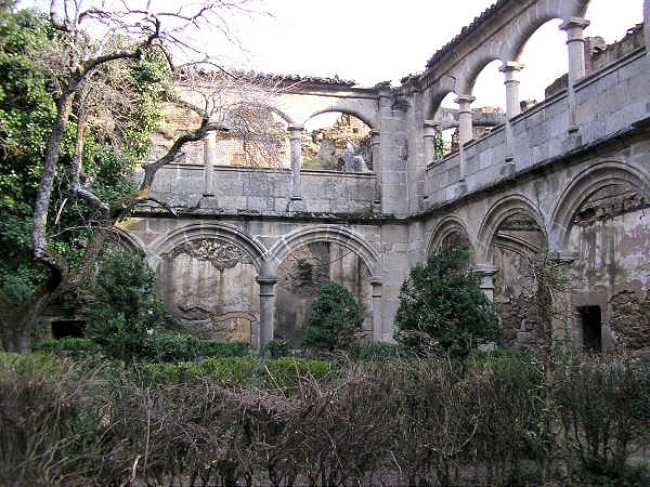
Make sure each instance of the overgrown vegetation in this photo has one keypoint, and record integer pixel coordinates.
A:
(334, 319)
(249, 421)
(442, 307)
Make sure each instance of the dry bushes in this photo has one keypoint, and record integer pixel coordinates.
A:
(395, 422)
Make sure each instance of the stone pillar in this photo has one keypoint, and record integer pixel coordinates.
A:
(575, 27)
(267, 309)
(429, 136)
(377, 284)
(465, 129)
(486, 273)
(295, 140)
(375, 148)
(511, 71)
(209, 159)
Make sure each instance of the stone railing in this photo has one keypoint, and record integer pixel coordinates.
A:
(607, 102)
(260, 191)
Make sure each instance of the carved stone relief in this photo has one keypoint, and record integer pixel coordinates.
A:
(221, 255)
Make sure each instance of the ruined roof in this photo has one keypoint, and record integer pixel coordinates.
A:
(466, 31)
(253, 76)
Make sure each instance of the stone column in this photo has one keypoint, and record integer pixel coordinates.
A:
(429, 136)
(295, 139)
(486, 273)
(465, 129)
(377, 284)
(209, 159)
(375, 148)
(267, 309)
(575, 27)
(511, 71)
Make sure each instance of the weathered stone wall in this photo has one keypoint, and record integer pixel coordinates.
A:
(570, 176)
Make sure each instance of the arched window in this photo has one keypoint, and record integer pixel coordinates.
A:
(336, 141)
(545, 61)
(446, 118)
(489, 103)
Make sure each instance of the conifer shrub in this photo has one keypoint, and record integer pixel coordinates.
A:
(126, 309)
(442, 307)
(334, 319)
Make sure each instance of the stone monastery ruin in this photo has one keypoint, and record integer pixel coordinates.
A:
(363, 202)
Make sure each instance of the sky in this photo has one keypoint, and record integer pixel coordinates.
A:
(376, 40)
(380, 40)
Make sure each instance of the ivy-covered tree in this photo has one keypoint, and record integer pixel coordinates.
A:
(333, 320)
(441, 303)
(96, 71)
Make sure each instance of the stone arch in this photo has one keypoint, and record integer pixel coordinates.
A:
(586, 184)
(217, 231)
(473, 70)
(445, 228)
(536, 17)
(333, 234)
(127, 240)
(308, 258)
(368, 120)
(499, 212)
(646, 21)
(209, 275)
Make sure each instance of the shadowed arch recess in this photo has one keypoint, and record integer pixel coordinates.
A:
(585, 185)
(341, 236)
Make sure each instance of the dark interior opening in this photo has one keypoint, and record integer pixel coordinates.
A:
(591, 328)
(69, 328)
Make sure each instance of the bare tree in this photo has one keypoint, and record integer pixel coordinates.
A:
(93, 39)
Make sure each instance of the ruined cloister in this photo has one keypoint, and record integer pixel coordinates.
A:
(568, 177)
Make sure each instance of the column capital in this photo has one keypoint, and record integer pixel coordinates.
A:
(485, 270)
(465, 99)
(376, 281)
(563, 256)
(511, 66)
(374, 136)
(575, 23)
(295, 131)
(267, 280)
(431, 127)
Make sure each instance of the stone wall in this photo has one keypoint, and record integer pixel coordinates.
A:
(570, 177)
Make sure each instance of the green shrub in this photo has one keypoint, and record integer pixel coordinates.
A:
(442, 305)
(277, 348)
(170, 346)
(67, 344)
(376, 351)
(127, 310)
(242, 371)
(333, 319)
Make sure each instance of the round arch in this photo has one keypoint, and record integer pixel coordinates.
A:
(275, 110)
(443, 229)
(468, 81)
(225, 233)
(585, 185)
(348, 111)
(323, 233)
(500, 212)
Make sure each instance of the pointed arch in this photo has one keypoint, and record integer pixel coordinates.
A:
(499, 212)
(218, 231)
(585, 185)
(446, 227)
(332, 234)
